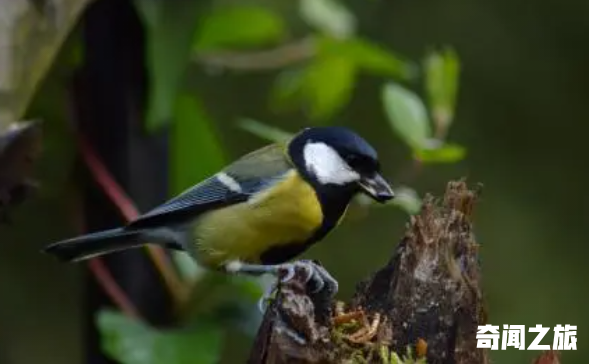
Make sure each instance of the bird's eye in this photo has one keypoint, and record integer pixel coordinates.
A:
(361, 163)
(352, 160)
(357, 162)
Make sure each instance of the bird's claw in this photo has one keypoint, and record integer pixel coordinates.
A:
(315, 276)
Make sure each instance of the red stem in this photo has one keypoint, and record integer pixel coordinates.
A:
(128, 210)
(104, 179)
(111, 287)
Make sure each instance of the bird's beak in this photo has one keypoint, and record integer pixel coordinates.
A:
(377, 188)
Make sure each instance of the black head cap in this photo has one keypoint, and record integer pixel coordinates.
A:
(340, 138)
(347, 143)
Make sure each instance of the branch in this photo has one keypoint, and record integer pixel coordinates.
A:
(112, 289)
(427, 298)
(280, 57)
(129, 211)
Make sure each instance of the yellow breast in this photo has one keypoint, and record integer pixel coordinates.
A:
(246, 230)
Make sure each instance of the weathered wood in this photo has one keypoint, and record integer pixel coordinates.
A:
(548, 357)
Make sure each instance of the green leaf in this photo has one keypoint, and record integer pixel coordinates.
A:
(322, 88)
(442, 74)
(395, 359)
(265, 131)
(132, 342)
(233, 26)
(327, 85)
(188, 268)
(170, 28)
(447, 153)
(196, 151)
(230, 301)
(286, 90)
(407, 199)
(368, 56)
(407, 115)
(329, 17)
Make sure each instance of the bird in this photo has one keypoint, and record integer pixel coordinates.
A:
(259, 212)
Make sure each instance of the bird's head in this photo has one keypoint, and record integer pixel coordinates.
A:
(336, 157)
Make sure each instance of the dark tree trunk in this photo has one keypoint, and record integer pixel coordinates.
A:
(109, 100)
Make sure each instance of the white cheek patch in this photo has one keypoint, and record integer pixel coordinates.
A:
(327, 165)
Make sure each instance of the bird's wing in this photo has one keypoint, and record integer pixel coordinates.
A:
(236, 183)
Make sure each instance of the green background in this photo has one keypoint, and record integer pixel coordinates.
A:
(521, 114)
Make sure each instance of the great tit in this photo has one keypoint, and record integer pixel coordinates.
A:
(260, 211)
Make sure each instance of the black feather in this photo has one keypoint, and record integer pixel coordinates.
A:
(90, 245)
(207, 195)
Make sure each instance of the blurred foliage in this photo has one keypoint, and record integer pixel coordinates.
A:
(270, 133)
(408, 116)
(226, 27)
(133, 342)
(442, 69)
(407, 199)
(315, 74)
(170, 29)
(408, 358)
(219, 301)
(329, 17)
(322, 87)
(368, 57)
(521, 113)
(193, 133)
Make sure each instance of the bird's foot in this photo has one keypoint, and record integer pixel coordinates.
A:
(313, 275)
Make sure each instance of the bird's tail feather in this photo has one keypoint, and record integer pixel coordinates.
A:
(95, 244)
